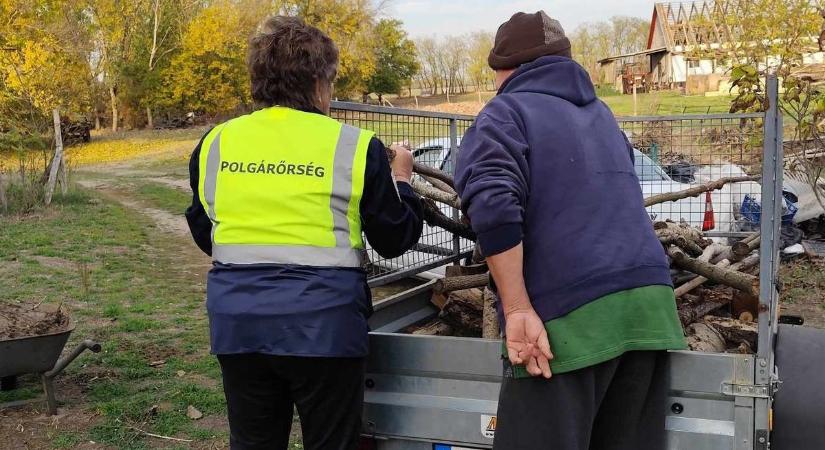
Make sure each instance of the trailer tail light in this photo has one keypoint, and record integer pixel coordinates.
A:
(367, 443)
(710, 222)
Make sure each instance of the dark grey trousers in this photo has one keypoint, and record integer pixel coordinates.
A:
(262, 392)
(615, 405)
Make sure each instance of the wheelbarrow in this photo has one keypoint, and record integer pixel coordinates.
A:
(39, 354)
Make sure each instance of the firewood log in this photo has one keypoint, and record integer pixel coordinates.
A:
(459, 270)
(696, 190)
(743, 282)
(742, 266)
(434, 328)
(734, 331)
(464, 311)
(460, 283)
(689, 314)
(740, 249)
(490, 328)
(701, 337)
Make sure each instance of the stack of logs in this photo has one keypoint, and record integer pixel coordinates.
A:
(716, 285)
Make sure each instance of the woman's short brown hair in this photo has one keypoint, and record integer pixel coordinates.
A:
(286, 61)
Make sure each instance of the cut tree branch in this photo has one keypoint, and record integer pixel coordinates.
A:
(425, 190)
(742, 281)
(697, 190)
(432, 172)
(743, 265)
(438, 184)
(434, 217)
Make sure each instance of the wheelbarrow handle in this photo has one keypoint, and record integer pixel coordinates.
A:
(86, 344)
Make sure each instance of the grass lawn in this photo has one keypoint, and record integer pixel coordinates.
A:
(656, 103)
(136, 288)
(667, 103)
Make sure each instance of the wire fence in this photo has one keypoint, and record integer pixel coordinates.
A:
(672, 154)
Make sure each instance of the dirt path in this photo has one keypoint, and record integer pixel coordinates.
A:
(165, 221)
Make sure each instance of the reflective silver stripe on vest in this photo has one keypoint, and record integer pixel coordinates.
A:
(342, 183)
(302, 255)
(342, 255)
(210, 181)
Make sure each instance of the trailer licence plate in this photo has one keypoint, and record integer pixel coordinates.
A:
(450, 447)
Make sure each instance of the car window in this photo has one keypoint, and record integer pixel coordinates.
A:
(430, 156)
(647, 169)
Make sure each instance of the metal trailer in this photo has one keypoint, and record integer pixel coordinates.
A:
(428, 392)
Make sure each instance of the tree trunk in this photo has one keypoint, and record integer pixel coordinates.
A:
(113, 100)
(97, 120)
(150, 123)
(744, 282)
(461, 283)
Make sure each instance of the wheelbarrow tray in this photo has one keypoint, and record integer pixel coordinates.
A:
(32, 354)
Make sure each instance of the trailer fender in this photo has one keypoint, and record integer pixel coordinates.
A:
(799, 404)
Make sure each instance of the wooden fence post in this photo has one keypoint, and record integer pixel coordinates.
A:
(58, 158)
(4, 202)
(64, 176)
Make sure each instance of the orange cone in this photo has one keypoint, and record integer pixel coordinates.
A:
(710, 222)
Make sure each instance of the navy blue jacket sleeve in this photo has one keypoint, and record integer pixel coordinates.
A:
(492, 181)
(199, 224)
(391, 213)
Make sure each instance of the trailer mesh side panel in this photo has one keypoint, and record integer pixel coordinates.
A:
(433, 138)
(679, 152)
(671, 153)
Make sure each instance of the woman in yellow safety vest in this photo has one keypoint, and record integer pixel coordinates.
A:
(281, 200)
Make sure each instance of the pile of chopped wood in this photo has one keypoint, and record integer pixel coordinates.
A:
(717, 285)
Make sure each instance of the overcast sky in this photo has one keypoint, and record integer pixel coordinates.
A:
(448, 17)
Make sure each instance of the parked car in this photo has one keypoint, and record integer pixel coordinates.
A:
(726, 203)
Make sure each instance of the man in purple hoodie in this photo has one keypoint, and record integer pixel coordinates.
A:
(547, 179)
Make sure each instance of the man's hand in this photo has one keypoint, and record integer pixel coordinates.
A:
(527, 341)
(402, 163)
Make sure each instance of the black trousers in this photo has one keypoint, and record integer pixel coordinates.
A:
(616, 405)
(262, 390)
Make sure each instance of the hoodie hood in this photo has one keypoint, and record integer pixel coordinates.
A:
(552, 75)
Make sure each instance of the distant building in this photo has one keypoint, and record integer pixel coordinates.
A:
(675, 30)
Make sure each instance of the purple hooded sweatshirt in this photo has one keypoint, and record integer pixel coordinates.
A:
(546, 164)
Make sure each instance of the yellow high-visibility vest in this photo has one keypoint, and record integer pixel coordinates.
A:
(283, 186)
